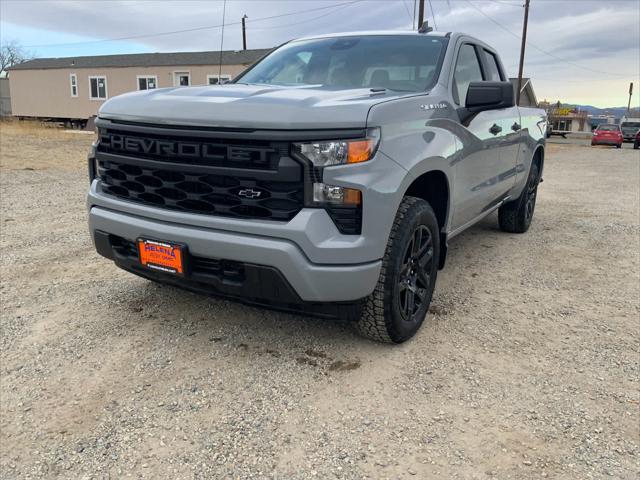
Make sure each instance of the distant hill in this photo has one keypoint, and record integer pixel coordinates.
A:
(615, 111)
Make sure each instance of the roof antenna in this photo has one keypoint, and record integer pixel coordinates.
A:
(224, 8)
(425, 28)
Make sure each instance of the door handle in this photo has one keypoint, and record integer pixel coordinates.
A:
(516, 127)
(495, 129)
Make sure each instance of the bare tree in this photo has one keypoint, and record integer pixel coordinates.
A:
(12, 53)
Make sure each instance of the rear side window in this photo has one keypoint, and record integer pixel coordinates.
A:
(467, 71)
(493, 69)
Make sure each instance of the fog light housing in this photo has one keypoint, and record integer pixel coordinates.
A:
(334, 195)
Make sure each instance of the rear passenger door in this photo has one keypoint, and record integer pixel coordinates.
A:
(484, 173)
(510, 121)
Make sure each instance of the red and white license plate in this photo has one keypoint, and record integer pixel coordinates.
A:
(161, 256)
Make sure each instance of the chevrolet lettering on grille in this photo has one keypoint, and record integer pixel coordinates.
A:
(186, 149)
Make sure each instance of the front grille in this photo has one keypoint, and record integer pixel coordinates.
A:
(195, 192)
(193, 149)
(211, 172)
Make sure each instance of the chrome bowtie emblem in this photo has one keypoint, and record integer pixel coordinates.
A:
(249, 193)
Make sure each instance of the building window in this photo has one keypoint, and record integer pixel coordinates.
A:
(146, 82)
(73, 81)
(97, 88)
(217, 79)
(181, 79)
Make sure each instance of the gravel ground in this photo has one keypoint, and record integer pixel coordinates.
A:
(526, 368)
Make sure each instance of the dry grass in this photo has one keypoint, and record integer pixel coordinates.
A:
(29, 145)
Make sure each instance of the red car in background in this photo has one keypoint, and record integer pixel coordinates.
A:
(607, 135)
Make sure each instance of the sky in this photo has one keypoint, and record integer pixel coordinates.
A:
(578, 51)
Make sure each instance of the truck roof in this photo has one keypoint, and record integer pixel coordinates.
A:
(376, 32)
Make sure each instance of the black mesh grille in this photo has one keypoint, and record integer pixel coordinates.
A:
(192, 191)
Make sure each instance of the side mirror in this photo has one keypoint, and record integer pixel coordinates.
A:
(483, 96)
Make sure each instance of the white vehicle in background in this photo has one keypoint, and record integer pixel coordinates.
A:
(630, 127)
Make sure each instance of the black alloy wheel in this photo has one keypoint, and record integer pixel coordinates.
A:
(414, 280)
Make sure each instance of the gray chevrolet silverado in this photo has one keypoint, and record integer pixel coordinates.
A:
(328, 178)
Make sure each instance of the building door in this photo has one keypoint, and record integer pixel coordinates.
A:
(181, 79)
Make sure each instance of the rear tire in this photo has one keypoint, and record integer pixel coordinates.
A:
(619, 146)
(396, 309)
(516, 216)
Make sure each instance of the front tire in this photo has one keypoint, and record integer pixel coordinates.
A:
(396, 309)
(516, 216)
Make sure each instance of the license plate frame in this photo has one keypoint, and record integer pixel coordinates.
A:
(162, 256)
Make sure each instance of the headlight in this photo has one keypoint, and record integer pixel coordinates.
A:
(340, 152)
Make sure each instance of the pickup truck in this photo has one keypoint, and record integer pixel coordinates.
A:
(630, 127)
(328, 178)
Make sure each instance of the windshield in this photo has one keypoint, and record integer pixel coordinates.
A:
(608, 128)
(630, 124)
(402, 62)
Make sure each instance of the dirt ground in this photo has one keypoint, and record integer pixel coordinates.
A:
(527, 366)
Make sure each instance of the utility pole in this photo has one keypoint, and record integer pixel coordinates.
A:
(420, 13)
(522, 48)
(630, 93)
(244, 34)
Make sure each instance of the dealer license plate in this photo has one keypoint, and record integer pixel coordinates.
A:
(161, 256)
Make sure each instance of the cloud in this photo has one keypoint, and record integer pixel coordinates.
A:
(583, 40)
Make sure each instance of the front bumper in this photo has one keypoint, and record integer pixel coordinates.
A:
(316, 261)
(311, 282)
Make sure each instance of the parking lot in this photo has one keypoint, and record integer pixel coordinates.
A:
(527, 366)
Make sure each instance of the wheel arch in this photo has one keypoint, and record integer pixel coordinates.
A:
(434, 187)
(538, 157)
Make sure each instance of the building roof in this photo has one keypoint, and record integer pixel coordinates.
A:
(229, 57)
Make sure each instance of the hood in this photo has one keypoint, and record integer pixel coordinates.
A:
(248, 106)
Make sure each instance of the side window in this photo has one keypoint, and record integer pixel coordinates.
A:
(467, 71)
(493, 69)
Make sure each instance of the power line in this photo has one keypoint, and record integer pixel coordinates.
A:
(540, 49)
(339, 7)
(433, 15)
(186, 30)
(404, 2)
(507, 4)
